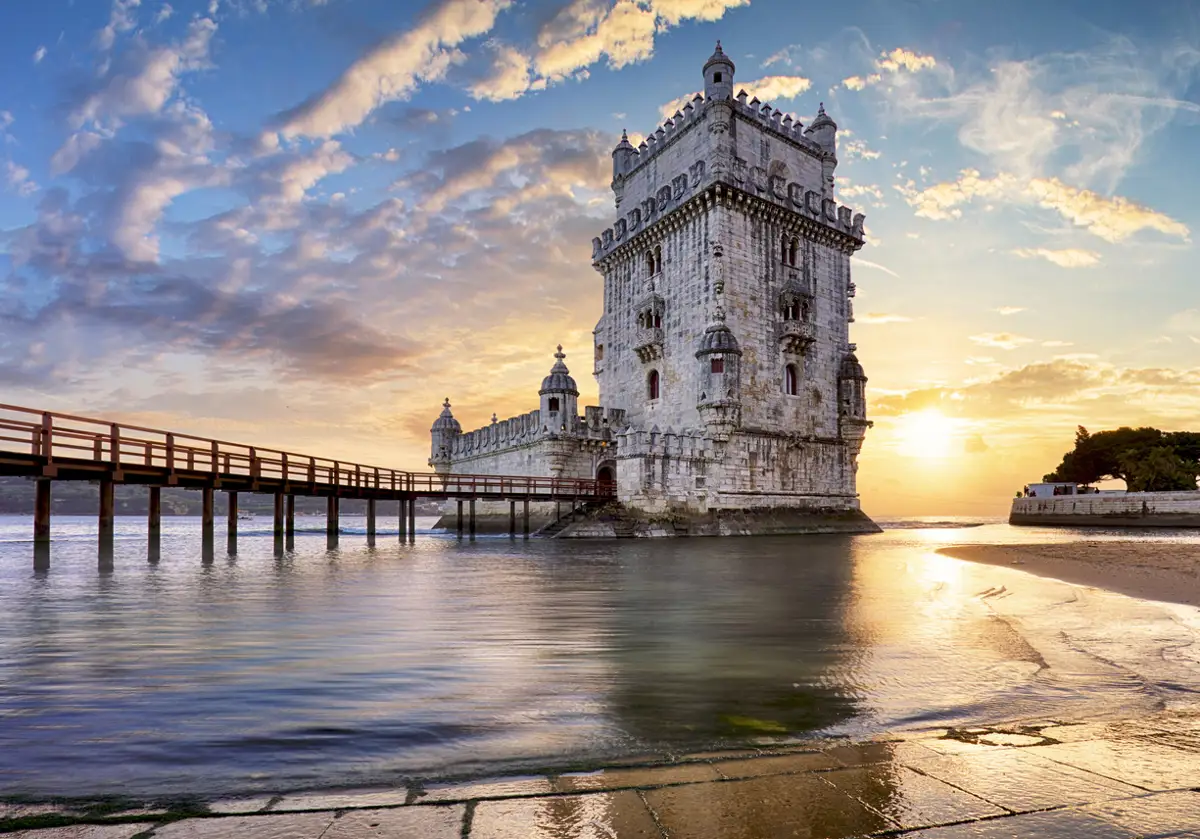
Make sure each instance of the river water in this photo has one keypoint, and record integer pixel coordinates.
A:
(439, 658)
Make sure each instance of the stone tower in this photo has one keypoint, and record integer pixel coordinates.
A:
(727, 304)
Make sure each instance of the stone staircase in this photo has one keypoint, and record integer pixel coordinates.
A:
(560, 524)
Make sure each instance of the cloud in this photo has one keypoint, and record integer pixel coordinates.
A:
(866, 263)
(145, 78)
(1185, 320)
(1113, 219)
(1062, 257)
(121, 19)
(509, 79)
(393, 70)
(881, 318)
(766, 89)
(1083, 115)
(39, 54)
(889, 65)
(1001, 340)
(1058, 343)
(1009, 310)
(18, 179)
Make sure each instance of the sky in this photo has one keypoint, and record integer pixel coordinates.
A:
(303, 223)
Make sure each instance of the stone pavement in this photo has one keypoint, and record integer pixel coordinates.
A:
(1110, 780)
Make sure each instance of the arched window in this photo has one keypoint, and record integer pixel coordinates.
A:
(717, 365)
(652, 385)
(599, 352)
(793, 249)
(657, 258)
(790, 380)
(650, 263)
(552, 404)
(783, 249)
(657, 320)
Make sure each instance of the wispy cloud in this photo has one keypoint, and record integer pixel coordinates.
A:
(888, 65)
(1062, 257)
(1001, 340)
(881, 318)
(1009, 310)
(766, 89)
(1113, 219)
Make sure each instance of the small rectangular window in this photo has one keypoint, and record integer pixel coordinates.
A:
(553, 404)
(718, 365)
(717, 78)
(599, 352)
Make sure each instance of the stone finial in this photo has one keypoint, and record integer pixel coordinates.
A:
(494, 420)
(446, 404)
(560, 353)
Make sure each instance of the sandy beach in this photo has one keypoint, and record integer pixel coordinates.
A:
(1150, 570)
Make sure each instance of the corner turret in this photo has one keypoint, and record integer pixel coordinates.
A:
(720, 377)
(718, 76)
(852, 403)
(444, 431)
(560, 398)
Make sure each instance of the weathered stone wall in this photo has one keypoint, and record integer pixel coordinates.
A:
(1138, 509)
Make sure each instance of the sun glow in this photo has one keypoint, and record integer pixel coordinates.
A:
(925, 434)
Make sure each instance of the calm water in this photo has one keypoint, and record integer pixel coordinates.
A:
(360, 664)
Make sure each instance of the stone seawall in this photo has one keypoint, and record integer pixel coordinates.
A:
(1132, 509)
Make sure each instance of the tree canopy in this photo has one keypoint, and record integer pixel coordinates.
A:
(1147, 459)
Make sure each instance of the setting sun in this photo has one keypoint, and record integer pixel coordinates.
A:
(925, 434)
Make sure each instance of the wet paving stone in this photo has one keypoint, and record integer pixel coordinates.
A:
(240, 806)
(617, 815)
(399, 823)
(1057, 824)
(909, 798)
(861, 755)
(1147, 764)
(1019, 780)
(792, 806)
(283, 826)
(83, 831)
(755, 767)
(628, 778)
(1165, 814)
(337, 800)
(500, 788)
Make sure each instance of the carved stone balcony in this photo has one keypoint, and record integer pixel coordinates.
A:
(649, 343)
(796, 335)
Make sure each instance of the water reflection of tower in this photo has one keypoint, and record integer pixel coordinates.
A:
(718, 641)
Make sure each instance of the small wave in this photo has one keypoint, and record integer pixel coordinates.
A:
(928, 525)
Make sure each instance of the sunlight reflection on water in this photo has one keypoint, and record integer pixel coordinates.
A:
(367, 663)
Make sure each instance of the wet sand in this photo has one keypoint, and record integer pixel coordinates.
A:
(1149, 570)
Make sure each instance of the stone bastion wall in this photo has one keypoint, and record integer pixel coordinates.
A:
(1126, 509)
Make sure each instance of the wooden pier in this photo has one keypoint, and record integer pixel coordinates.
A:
(48, 446)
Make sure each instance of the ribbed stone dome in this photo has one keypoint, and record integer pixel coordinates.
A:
(718, 57)
(559, 380)
(821, 120)
(446, 421)
(851, 369)
(718, 338)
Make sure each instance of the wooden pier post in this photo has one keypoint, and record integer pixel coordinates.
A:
(154, 513)
(231, 523)
(290, 521)
(460, 521)
(403, 518)
(526, 515)
(412, 519)
(231, 518)
(153, 524)
(41, 510)
(331, 518)
(206, 512)
(106, 514)
(278, 523)
(206, 524)
(370, 519)
(512, 518)
(472, 519)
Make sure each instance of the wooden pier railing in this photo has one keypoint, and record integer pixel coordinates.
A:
(49, 446)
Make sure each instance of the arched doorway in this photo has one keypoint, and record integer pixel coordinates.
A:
(607, 474)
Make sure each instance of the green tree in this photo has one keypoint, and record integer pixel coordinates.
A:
(1159, 469)
(1123, 452)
